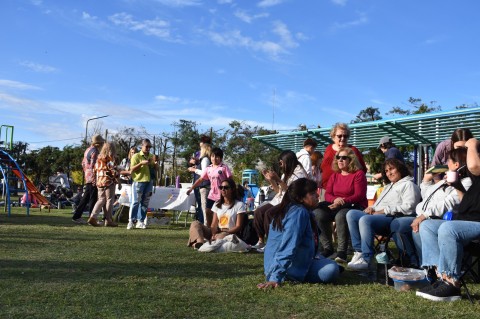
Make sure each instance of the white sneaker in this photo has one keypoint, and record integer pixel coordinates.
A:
(140, 225)
(356, 256)
(259, 245)
(130, 225)
(360, 265)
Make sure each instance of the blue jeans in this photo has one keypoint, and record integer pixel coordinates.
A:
(402, 235)
(363, 228)
(322, 270)
(141, 193)
(443, 242)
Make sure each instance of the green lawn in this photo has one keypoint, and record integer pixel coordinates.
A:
(52, 268)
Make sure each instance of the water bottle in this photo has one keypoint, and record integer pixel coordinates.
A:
(448, 215)
(261, 196)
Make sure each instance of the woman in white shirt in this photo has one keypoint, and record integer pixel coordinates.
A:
(225, 217)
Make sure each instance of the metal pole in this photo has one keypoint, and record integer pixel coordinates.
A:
(86, 126)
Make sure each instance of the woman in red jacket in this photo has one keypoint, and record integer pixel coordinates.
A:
(346, 189)
(340, 134)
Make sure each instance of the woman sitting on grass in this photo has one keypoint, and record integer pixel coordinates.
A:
(225, 218)
(292, 241)
(443, 240)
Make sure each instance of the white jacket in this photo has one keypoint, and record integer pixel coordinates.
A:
(304, 158)
(399, 197)
(439, 198)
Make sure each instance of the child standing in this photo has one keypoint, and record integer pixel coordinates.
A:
(216, 173)
(106, 177)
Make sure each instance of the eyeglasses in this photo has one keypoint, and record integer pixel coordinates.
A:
(148, 146)
(224, 188)
(341, 158)
(345, 136)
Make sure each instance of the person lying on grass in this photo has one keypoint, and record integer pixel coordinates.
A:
(292, 241)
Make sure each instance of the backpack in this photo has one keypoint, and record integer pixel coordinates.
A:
(248, 234)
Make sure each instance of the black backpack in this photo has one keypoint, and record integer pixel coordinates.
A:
(248, 234)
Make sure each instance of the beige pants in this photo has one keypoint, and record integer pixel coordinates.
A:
(106, 198)
(200, 233)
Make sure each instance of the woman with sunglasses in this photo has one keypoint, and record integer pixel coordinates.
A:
(225, 217)
(398, 199)
(339, 134)
(290, 250)
(292, 170)
(346, 190)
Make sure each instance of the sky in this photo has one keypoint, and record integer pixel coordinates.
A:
(272, 63)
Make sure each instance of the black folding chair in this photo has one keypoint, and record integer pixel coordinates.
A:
(471, 265)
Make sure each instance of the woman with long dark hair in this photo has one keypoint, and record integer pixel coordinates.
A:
(292, 241)
(292, 170)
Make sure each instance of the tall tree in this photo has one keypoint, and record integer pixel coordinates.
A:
(366, 115)
(416, 106)
(243, 151)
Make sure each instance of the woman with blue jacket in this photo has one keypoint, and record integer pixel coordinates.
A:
(292, 241)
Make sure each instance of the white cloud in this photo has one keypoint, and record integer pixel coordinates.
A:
(224, 1)
(11, 100)
(157, 27)
(236, 39)
(87, 16)
(37, 67)
(361, 20)
(163, 98)
(180, 3)
(285, 35)
(269, 3)
(273, 49)
(245, 17)
(340, 2)
(17, 85)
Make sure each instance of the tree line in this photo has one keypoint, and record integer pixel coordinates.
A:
(174, 149)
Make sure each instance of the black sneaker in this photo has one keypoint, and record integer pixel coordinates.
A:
(442, 291)
(327, 253)
(429, 287)
(341, 257)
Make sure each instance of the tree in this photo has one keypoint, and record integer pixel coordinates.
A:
(418, 106)
(243, 151)
(369, 114)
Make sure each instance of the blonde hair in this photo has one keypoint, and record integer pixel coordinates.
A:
(205, 150)
(339, 126)
(108, 151)
(353, 165)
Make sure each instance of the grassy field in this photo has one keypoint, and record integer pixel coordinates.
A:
(52, 268)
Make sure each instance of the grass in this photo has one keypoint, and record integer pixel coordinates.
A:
(52, 268)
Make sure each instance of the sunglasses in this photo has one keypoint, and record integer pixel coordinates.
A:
(224, 188)
(343, 158)
(342, 135)
(148, 146)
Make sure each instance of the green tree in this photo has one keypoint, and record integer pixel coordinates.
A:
(243, 151)
(415, 106)
(366, 115)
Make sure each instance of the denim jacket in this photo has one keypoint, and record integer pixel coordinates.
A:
(289, 253)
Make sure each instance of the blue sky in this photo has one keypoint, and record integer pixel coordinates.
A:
(152, 62)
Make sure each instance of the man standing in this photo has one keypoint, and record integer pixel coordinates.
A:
(90, 194)
(140, 165)
(303, 156)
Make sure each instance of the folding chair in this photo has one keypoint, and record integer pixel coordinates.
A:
(471, 265)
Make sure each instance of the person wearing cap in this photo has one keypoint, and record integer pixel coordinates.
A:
(390, 151)
(303, 156)
(90, 193)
